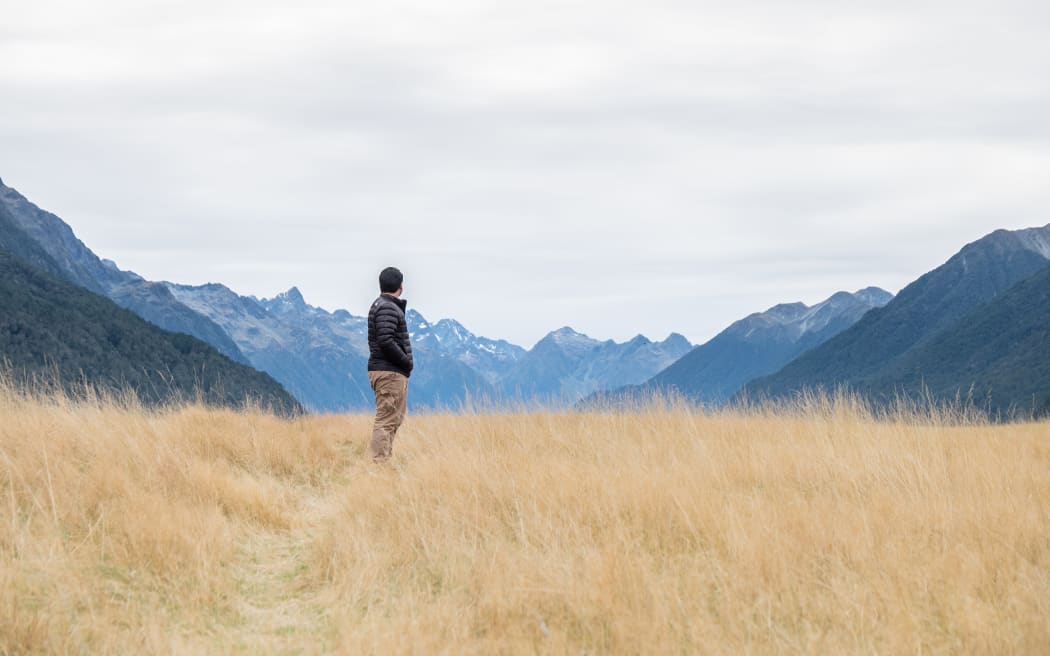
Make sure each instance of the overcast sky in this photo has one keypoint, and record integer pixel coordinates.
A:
(620, 167)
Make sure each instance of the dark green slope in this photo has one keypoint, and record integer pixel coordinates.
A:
(69, 259)
(48, 324)
(864, 353)
(999, 354)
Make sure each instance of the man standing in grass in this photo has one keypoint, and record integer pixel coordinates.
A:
(389, 361)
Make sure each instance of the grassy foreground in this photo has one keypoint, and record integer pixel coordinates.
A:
(195, 530)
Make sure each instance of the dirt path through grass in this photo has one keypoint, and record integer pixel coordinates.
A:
(280, 610)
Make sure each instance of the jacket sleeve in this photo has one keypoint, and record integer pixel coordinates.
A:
(386, 337)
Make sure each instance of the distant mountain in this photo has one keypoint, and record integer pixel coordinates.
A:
(49, 326)
(566, 365)
(320, 356)
(283, 339)
(613, 364)
(764, 342)
(756, 345)
(437, 379)
(998, 355)
(554, 359)
(866, 356)
(76, 263)
(491, 358)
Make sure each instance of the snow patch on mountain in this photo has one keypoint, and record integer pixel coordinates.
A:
(447, 337)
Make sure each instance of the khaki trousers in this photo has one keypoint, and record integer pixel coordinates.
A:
(391, 389)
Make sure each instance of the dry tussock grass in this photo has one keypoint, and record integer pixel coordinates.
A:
(817, 530)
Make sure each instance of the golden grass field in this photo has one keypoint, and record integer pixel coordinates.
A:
(821, 531)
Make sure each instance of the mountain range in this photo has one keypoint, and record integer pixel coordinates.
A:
(77, 264)
(320, 356)
(55, 332)
(756, 345)
(971, 327)
(582, 365)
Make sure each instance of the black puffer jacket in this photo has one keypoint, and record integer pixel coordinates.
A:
(389, 348)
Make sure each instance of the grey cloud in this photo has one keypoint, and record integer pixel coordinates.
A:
(585, 159)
